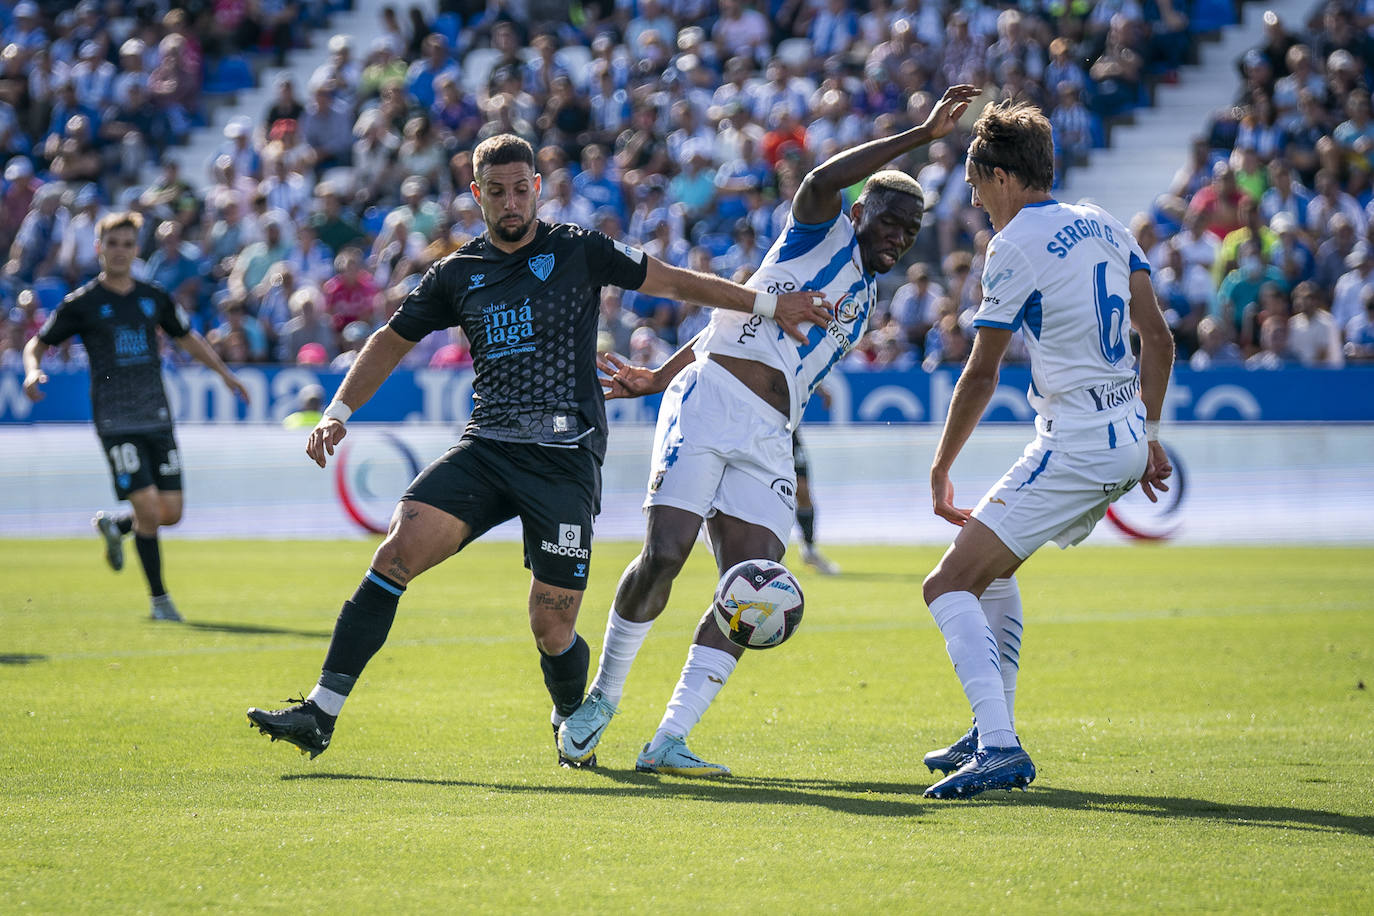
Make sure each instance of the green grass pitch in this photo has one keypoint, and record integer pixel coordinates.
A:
(1202, 720)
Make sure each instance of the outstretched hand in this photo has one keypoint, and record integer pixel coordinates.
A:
(950, 109)
(1157, 470)
(623, 379)
(806, 307)
(328, 433)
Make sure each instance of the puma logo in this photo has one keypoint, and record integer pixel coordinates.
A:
(713, 679)
(1000, 502)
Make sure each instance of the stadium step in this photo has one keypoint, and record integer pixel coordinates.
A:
(1140, 164)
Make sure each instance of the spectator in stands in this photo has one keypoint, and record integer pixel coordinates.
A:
(34, 251)
(239, 337)
(1072, 129)
(1184, 291)
(1302, 77)
(1349, 290)
(254, 262)
(1252, 226)
(1359, 332)
(915, 304)
(562, 205)
(1291, 255)
(308, 326)
(1285, 195)
(1330, 200)
(326, 127)
(174, 83)
(1356, 134)
(614, 322)
(743, 252)
(76, 259)
(741, 31)
(1273, 351)
(176, 265)
(1219, 202)
(351, 339)
(1118, 71)
(423, 75)
(351, 295)
(285, 189)
(1314, 338)
(1240, 289)
(1333, 252)
(1216, 346)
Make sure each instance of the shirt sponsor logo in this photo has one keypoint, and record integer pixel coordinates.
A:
(542, 265)
(507, 326)
(1107, 397)
(996, 278)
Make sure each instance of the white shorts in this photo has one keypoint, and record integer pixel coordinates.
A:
(1053, 495)
(720, 448)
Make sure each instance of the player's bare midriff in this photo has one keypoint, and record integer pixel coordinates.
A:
(762, 379)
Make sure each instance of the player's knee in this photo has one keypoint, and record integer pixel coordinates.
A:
(169, 515)
(934, 585)
(662, 558)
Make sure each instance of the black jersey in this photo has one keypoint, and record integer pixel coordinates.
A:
(531, 319)
(119, 333)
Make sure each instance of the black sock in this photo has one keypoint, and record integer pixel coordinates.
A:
(806, 520)
(151, 557)
(125, 523)
(566, 675)
(361, 628)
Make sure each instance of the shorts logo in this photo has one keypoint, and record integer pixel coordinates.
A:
(560, 424)
(569, 543)
(542, 265)
(786, 491)
(581, 571)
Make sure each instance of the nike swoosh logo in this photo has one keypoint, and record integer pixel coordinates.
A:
(582, 745)
(713, 679)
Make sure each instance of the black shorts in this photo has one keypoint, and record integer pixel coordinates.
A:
(799, 455)
(139, 460)
(556, 493)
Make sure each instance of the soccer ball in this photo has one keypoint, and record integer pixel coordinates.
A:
(758, 604)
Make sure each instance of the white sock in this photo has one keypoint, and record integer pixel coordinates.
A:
(974, 652)
(330, 703)
(618, 650)
(703, 676)
(1001, 603)
(556, 718)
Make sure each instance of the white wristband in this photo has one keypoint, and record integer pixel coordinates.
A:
(338, 410)
(765, 304)
(1152, 430)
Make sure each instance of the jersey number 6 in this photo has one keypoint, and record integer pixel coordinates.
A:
(1111, 317)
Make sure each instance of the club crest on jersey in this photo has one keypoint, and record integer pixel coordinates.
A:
(107, 311)
(148, 306)
(848, 310)
(542, 265)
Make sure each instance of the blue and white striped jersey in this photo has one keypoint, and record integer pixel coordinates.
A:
(1061, 274)
(821, 257)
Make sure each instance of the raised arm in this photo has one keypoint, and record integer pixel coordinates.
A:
(972, 393)
(380, 356)
(1156, 362)
(790, 310)
(818, 198)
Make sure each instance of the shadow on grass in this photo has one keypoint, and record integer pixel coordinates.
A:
(249, 629)
(22, 658)
(819, 793)
(1200, 809)
(857, 797)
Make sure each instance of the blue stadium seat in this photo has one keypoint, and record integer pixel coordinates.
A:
(232, 74)
(50, 292)
(447, 25)
(374, 218)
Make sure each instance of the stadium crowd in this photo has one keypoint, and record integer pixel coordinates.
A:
(682, 126)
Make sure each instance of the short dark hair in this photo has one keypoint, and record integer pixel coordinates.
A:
(501, 149)
(120, 219)
(1014, 137)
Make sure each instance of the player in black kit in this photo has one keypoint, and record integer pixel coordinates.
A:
(118, 318)
(527, 295)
